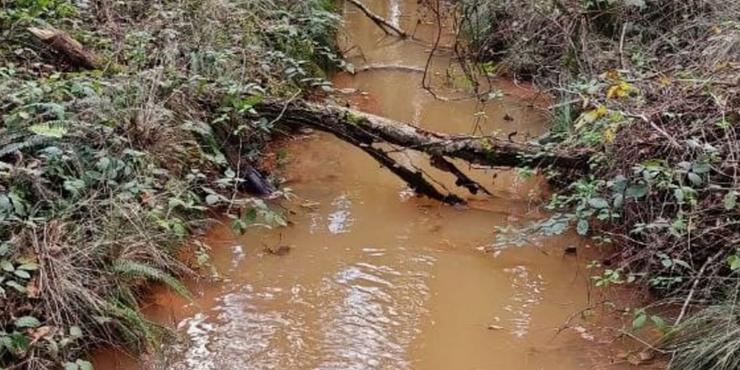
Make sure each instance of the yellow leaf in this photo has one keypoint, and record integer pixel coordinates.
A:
(611, 131)
(609, 135)
(723, 66)
(620, 90)
(665, 80)
(591, 116)
(601, 111)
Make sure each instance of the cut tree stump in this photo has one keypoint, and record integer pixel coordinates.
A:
(71, 50)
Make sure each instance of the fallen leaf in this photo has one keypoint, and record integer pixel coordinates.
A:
(32, 289)
(40, 333)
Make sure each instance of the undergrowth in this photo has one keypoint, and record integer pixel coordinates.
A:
(104, 174)
(651, 88)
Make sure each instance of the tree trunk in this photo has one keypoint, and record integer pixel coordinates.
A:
(367, 129)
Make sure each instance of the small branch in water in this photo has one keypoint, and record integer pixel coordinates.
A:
(394, 67)
(427, 85)
(415, 179)
(380, 21)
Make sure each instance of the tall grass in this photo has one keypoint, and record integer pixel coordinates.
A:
(708, 340)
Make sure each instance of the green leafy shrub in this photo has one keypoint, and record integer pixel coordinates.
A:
(105, 174)
(650, 88)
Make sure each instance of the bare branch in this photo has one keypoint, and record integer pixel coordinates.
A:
(380, 21)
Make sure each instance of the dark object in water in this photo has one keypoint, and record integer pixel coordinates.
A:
(257, 183)
(280, 250)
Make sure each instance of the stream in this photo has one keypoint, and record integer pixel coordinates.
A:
(377, 278)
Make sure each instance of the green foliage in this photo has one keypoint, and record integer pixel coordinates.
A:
(26, 322)
(14, 343)
(135, 330)
(129, 269)
(307, 35)
(584, 202)
(260, 215)
(641, 318)
(15, 273)
(734, 262)
(556, 224)
(608, 277)
(30, 10)
(109, 171)
(78, 365)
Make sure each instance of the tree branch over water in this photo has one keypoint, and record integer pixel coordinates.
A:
(384, 24)
(367, 131)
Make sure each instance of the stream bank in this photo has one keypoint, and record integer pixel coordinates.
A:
(373, 277)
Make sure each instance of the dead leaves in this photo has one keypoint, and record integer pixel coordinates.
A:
(620, 90)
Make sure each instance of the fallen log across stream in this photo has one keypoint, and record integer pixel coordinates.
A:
(366, 131)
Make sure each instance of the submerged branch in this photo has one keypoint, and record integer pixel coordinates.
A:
(439, 162)
(380, 21)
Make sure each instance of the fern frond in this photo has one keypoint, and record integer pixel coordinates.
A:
(133, 326)
(28, 142)
(136, 269)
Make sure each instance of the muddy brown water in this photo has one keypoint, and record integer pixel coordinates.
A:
(377, 278)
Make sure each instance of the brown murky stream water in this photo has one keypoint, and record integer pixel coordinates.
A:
(377, 278)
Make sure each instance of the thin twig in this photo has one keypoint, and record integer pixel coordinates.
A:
(621, 46)
(686, 303)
